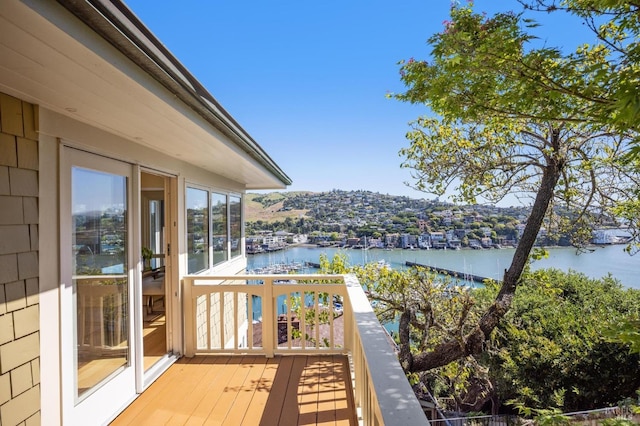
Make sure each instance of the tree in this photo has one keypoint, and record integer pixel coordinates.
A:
(553, 348)
(501, 130)
(613, 64)
(554, 342)
(611, 75)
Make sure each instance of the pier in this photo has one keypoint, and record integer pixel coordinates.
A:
(456, 274)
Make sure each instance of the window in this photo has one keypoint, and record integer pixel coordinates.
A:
(197, 230)
(219, 227)
(235, 225)
(214, 234)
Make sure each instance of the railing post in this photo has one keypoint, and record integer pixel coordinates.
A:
(348, 324)
(268, 318)
(189, 335)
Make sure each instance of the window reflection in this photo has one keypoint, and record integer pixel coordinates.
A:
(214, 235)
(219, 227)
(197, 230)
(100, 281)
(235, 225)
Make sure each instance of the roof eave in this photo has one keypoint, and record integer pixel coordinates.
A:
(119, 26)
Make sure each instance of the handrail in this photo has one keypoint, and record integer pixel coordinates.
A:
(381, 386)
(218, 319)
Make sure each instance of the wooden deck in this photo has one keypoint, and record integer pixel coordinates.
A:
(248, 390)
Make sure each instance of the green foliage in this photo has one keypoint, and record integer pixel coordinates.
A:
(610, 64)
(552, 353)
(626, 331)
(553, 350)
(313, 317)
(339, 264)
(439, 306)
(147, 254)
(618, 422)
(513, 118)
(596, 84)
(509, 114)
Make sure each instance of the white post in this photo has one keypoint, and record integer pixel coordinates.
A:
(189, 334)
(268, 318)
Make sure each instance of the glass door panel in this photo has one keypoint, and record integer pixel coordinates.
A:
(97, 269)
(100, 276)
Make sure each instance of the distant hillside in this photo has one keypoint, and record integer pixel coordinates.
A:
(269, 207)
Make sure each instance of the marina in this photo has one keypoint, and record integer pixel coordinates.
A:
(597, 262)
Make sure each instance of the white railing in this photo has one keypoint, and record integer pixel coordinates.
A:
(311, 314)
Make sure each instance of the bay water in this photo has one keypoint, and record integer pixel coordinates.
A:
(490, 263)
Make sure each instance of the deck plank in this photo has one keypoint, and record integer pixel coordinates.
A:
(343, 394)
(248, 390)
(308, 392)
(147, 400)
(210, 397)
(244, 393)
(229, 393)
(213, 367)
(326, 394)
(274, 406)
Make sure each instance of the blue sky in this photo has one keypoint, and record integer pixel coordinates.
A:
(307, 79)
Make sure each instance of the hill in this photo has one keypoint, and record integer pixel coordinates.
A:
(270, 207)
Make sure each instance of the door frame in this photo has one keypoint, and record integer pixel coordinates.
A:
(172, 306)
(118, 390)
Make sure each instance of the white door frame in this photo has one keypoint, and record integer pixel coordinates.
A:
(116, 392)
(172, 308)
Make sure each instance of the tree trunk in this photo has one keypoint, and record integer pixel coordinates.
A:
(405, 340)
(473, 342)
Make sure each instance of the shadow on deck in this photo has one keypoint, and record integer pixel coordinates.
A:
(248, 390)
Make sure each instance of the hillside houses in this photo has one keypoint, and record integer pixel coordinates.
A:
(344, 218)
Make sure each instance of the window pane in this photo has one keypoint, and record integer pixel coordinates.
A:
(100, 280)
(156, 224)
(235, 222)
(219, 227)
(197, 230)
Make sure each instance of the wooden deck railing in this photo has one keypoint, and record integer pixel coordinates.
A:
(310, 314)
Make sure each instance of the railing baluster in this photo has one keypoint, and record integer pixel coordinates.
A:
(302, 320)
(250, 320)
(209, 322)
(316, 306)
(332, 310)
(289, 320)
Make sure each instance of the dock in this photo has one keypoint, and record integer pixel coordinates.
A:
(452, 273)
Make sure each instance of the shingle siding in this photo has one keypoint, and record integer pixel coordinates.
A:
(19, 289)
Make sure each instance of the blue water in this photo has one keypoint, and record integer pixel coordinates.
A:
(489, 263)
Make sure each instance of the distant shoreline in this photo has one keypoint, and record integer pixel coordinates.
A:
(316, 246)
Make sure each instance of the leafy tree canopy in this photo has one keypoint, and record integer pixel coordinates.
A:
(496, 56)
(516, 119)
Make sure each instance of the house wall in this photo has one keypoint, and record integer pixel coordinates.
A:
(19, 277)
(209, 327)
(56, 129)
